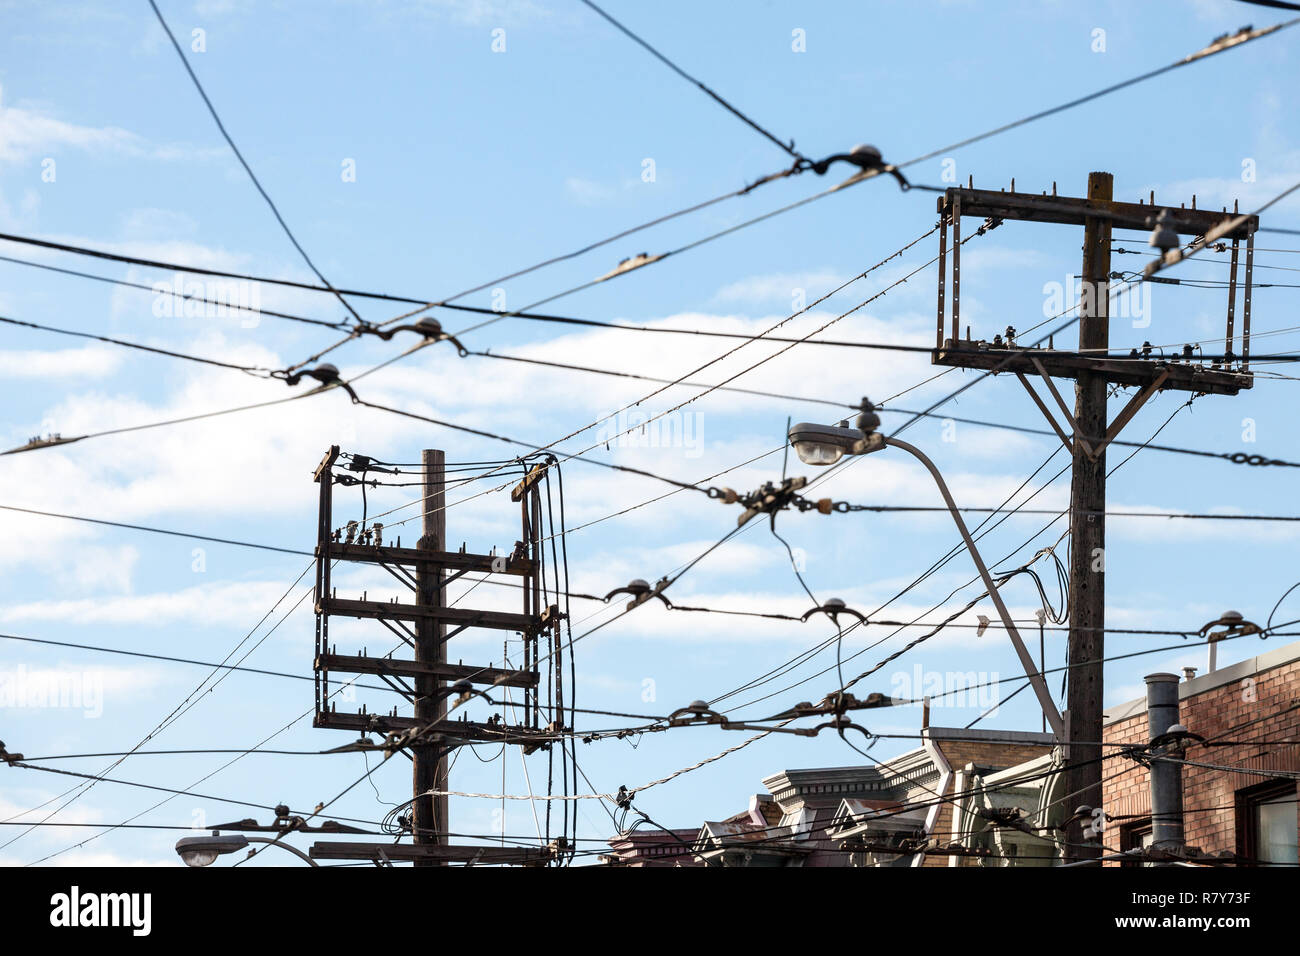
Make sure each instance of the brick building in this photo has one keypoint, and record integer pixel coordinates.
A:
(1247, 713)
(1005, 800)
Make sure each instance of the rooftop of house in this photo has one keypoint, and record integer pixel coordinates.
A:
(1231, 674)
(835, 783)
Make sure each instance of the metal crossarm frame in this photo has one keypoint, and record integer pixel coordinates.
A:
(1226, 377)
(401, 618)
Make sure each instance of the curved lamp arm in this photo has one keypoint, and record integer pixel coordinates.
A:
(284, 846)
(1031, 671)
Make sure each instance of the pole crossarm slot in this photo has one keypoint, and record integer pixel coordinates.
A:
(452, 730)
(439, 853)
(415, 558)
(497, 620)
(382, 665)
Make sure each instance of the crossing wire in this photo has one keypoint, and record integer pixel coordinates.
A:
(1219, 46)
(257, 371)
(243, 162)
(189, 297)
(788, 148)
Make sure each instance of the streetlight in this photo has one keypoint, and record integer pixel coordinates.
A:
(826, 444)
(1234, 626)
(204, 850)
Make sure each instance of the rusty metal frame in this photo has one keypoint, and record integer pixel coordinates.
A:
(953, 350)
(526, 563)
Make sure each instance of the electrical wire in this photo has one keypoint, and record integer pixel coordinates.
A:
(1218, 46)
(785, 147)
(139, 527)
(259, 371)
(188, 297)
(248, 169)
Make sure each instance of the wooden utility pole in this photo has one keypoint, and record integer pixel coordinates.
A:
(1085, 431)
(425, 626)
(1087, 605)
(429, 764)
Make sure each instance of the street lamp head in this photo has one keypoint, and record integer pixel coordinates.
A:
(825, 444)
(204, 850)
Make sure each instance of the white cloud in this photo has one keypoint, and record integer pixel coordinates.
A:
(91, 361)
(11, 811)
(780, 286)
(217, 604)
(27, 134)
(1273, 175)
(587, 192)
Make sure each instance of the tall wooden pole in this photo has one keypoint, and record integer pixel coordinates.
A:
(1088, 530)
(429, 770)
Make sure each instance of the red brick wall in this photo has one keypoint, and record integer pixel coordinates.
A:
(1256, 711)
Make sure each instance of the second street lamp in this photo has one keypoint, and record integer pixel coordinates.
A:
(826, 444)
(204, 850)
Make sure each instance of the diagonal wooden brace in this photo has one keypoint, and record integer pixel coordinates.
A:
(1047, 413)
(1065, 409)
(1122, 419)
(1129, 410)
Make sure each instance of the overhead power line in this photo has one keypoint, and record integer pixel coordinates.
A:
(1049, 511)
(896, 253)
(197, 270)
(1276, 4)
(54, 440)
(637, 264)
(170, 660)
(1218, 46)
(243, 162)
(1234, 457)
(982, 529)
(233, 668)
(259, 371)
(180, 294)
(139, 527)
(786, 147)
(1226, 42)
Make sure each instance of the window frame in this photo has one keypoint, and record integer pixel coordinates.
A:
(1248, 800)
(1130, 838)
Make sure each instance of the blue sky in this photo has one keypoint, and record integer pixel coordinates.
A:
(471, 163)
